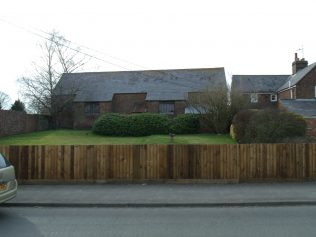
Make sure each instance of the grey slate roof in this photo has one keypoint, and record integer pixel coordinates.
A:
(158, 84)
(258, 83)
(304, 107)
(294, 79)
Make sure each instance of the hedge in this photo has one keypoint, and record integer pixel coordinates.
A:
(112, 124)
(145, 124)
(267, 126)
(240, 123)
(185, 124)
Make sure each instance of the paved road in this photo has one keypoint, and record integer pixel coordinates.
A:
(166, 193)
(151, 222)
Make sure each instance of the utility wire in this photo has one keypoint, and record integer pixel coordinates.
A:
(89, 55)
(98, 51)
(76, 50)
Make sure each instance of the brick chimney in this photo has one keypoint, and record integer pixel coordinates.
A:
(298, 64)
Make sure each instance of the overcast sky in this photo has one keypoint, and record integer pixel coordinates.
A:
(245, 37)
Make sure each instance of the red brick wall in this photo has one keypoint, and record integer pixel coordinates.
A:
(179, 107)
(263, 102)
(125, 103)
(153, 106)
(83, 121)
(287, 94)
(15, 122)
(311, 126)
(305, 89)
(105, 107)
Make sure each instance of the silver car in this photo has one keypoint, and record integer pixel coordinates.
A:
(8, 183)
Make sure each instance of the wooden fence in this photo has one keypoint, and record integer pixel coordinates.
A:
(163, 162)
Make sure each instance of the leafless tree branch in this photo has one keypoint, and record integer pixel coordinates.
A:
(217, 106)
(39, 89)
(4, 100)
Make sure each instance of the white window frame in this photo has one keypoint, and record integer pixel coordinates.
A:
(253, 98)
(273, 97)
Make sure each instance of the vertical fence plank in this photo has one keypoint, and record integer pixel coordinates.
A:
(156, 162)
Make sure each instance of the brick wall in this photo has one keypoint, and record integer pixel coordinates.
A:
(16, 122)
(122, 103)
(264, 101)
(305, 89)
(153, 106)
(179, 107)
(287, 94)
(127, 103)
(85, 121)
(311, 126)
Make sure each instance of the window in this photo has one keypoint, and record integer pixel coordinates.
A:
(273, 97)
(92, 108)
(254, 98)
(166, 107)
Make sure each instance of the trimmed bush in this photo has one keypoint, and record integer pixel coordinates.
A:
(131, 125)
(111, 124)
(240, 123)
(147, 124)
(271, 126)
(185, 124)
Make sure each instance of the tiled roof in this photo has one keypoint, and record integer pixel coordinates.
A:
(258, 83)
(304, 107)
(294, 79)
(158, 84)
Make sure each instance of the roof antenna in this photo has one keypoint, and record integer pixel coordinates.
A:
(302, 50)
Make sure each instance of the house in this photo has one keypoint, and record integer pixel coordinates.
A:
(155, 91)
(294, 93)
(261, 90)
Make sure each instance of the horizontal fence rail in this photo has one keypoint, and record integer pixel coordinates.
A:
(243, 162)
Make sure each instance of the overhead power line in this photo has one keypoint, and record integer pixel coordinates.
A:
(82, 46)
(71, 48)
(100, 52)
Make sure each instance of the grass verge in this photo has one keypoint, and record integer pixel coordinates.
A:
(86, 137)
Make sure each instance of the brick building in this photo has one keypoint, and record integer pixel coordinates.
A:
(155, 91)
(295, 93)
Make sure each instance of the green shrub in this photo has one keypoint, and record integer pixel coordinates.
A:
(131, 125)
(270, 126)
(185, 124)
(147, 124)
(111, 124)
(240, 123)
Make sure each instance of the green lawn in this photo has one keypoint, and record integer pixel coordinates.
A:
(84, 137)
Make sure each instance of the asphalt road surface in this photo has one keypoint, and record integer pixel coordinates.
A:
(150, 222)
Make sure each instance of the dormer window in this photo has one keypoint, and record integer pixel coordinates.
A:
(273, 97)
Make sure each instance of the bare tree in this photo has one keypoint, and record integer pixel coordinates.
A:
(217, 106)
(39, 89)
(4, 100)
